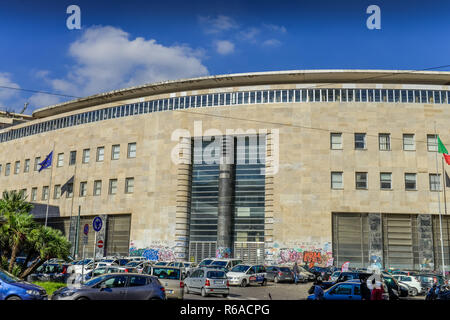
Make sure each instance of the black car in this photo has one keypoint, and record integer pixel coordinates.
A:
(428, 279)
(50, 272)
(323, 272)
(345, 276)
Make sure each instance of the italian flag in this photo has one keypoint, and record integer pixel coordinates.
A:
(442, 149)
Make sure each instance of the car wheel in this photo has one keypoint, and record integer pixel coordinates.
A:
(225, 295)
(186, 289)
(276, 280)
(82, 298)
(13, 298)
(414, 292)
(264, 282)
(244, 283)
(204, 292)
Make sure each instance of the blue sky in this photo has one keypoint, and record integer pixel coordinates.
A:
(125, 43)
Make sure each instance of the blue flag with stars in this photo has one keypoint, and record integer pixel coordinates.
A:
(47, 162)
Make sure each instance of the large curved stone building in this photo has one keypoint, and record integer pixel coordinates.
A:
(274, 166)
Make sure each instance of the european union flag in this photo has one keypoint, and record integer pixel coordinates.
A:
(47, 162)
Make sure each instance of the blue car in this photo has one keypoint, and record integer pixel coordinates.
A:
(349, 290)
(13, 288)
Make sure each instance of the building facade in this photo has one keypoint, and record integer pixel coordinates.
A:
(320, 166)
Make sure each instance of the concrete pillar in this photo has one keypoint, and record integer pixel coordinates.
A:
(375, 241)
(425, 242)
(225, 201)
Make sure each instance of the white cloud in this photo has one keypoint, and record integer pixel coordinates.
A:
(250, 34)
(107, 59)
(7, 96)
(275, 28)
(217, 24)
(40, 100)
(271, 43)
(224, 47)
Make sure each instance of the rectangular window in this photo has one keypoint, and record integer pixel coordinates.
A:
(57, 192)
(36, 163)
(100, 154)
(361, 180)
(97, 187)
(112, 186)
(60, 160)
(86, 155)
(410, 181)
(132, 150)
(386, 180)
(384, 140)
(336, 141)
(26, 167)
(17, 167)
(129, 185)
(432, 143)
(360, 141)
(408, 142)
(336, 180)
(45, 193)
(115, 152)
(33, 194)
(7, 169)
(73, 158)
(435, 182)
(83, 189)
(69, 192)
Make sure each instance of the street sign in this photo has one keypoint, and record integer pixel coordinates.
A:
(86, 229)
(97, 224)
(100, 243)
(85, 239)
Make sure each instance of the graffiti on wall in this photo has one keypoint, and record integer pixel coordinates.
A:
(154, 253)
(223, 252)
(312, 254)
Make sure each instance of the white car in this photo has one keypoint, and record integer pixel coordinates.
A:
(77, 268)
(416, 287)
(245, 274)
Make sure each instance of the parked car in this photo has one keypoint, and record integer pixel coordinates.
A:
(13, 288)
(115, 286)
(413, 282)
(205, 262)
(428, 279)
(349, 290)
(77, 266)
(207, 281)
(306, 273)
(226, 263)
(404, 289)
(102, 270)
(325, 273)
(244, 275)
(50, 272)
(172, 280)
(186, 267)
(280, 274)
(345, 276)
(161, 263)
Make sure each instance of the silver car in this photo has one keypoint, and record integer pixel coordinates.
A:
(115, 286)
(207, 281)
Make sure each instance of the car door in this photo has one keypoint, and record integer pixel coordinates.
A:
(115, 288)
(341, 291)
(138, 287)
(252, 274)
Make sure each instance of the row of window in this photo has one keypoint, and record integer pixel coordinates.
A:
(234, 98)
(384, 141)
(100, 156)
(58, 190)
(361, 181)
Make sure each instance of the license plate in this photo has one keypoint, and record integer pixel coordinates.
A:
(218, 281)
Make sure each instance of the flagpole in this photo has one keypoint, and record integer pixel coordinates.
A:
(439, 204)
(444, 184)
(49, 185)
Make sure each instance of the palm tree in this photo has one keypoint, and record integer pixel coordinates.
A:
(48, 243)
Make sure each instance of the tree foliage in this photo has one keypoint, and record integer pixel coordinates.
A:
(20, 234)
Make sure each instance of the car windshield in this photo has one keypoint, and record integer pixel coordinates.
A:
(285, 269)
(132, 264)
(167, 273)
(216, 275)
(94, 281)
(108, 261)
(240, 268)
(205, 262)
(8, 277)
(336, 274)
(219, 263)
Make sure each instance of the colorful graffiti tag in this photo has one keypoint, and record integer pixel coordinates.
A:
(223, 252)
(308, 253)
(154, 253)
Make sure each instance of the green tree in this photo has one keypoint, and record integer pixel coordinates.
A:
(48, 243)
(19, 222)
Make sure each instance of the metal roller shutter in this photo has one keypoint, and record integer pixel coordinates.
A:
(350, 239)
(118, 235)
(399, 232)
